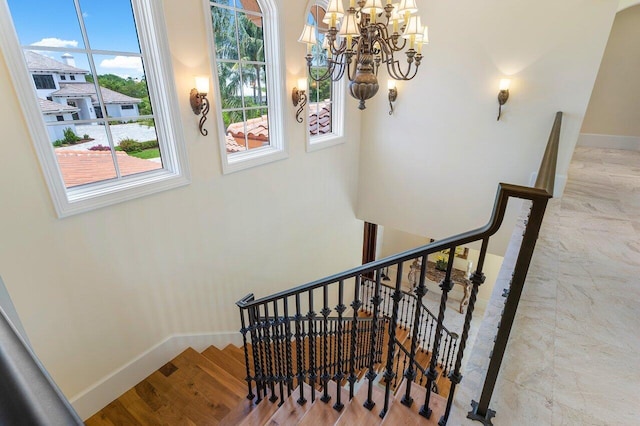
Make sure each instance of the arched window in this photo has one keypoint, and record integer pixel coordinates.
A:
(246, 61)
(326, 98)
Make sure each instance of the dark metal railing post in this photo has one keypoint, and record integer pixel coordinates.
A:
(288, 336)
(410, 373)
(455, 377)
(299, 348)
(312, 347)
(277, 352)
(355, 305)
(371, 374)
(389, 374)
(339, 372)
(267, 353)
(446, 285)
(244, 331)
(255, 348)
(481, 411)
(325, 339)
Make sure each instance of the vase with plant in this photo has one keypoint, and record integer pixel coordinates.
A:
(441, 261)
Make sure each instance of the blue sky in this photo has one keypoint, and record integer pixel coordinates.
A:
(109, 26)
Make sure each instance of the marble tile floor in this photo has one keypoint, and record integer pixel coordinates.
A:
(574, 352)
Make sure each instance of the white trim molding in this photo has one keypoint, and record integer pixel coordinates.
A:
(110, 387)
(278, 147)
(629, 143)
(149, 18)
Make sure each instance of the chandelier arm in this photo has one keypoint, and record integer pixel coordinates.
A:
(395, 70)
(324, 76)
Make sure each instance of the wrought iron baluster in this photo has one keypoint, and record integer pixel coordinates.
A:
(371, 374)
(325, 350)
(312, 347)
(277, 351)
(244, 331)
(339, 374)
(410, 373)
(288, 343)
(268, 350)
(389, 374)
(446, 285)
(299, 350)
(255, 349)
(355, 304)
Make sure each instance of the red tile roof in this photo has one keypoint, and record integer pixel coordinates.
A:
(320, 118)
(257, 128)
(83, 167)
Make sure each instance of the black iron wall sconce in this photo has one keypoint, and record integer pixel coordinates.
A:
(199, 102)
(299, 97)
(503, 94)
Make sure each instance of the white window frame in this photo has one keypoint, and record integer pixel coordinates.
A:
(149, 19)
(336, 137)
(278, 148)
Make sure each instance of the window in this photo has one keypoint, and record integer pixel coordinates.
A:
(249, 83)
(44, 81)
(52, 38)
(127, 106)
(59, 118)
(326, 98)
(63, 77)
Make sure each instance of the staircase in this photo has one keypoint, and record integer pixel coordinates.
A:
(208, 388)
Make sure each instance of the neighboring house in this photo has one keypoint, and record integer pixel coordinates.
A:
(53, 112)
(63, 83)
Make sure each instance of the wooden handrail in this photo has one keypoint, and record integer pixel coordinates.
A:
(547, 171)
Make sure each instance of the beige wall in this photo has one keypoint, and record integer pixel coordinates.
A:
(395, 241)
(433, 167)
(97, 289)
(614, 108)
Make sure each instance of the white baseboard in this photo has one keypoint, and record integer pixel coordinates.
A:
(110, 387)
(629, 143)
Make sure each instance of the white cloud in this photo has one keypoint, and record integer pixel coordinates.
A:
(55, 42)
(123, 63)
(85, 15)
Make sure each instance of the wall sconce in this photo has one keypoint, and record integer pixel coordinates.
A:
(199, 101)
(299, 97)
(503, 94)
(393, 94)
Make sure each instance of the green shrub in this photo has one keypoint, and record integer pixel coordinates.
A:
(57, 143)
(69, 136)
(85, 136)
(132, 145)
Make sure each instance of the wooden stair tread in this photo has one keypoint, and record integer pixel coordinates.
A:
(228, 362)
(247, 412)
(355, 413)
(399, 414)
(322, 413)
(291, 412)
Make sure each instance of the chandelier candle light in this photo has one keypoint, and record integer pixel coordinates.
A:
(362, 39)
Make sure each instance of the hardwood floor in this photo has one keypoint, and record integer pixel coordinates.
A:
(208, 388)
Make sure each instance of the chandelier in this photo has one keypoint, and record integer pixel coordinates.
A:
(364, 38)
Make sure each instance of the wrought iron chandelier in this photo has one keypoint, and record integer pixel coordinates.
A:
(357, 44)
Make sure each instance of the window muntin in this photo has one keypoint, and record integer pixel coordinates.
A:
(248, 82)
(57, 32)
(325, 108)
(242, 72)
(320, 92)
(94, 101)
